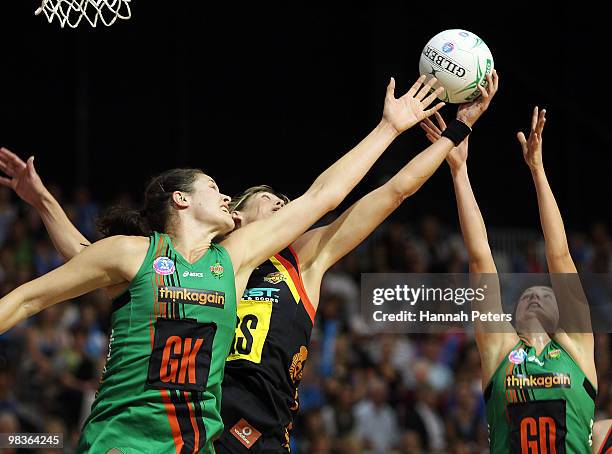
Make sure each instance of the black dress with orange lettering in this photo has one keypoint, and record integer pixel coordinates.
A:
(264, 368)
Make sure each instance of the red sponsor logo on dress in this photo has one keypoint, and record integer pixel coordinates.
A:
(245, 433)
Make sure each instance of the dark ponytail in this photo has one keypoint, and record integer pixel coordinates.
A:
(157, 210)
(122, 220)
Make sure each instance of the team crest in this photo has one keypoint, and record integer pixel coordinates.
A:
(275, 278)
(217, 270)
(297, 365)
(554, 354)
(163, 266)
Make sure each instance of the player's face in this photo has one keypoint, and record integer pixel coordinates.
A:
(538, 302)
(209, 205)
(261, 206)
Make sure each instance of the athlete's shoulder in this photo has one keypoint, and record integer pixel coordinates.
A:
(218, 245)
(125, 243)
(121, 252)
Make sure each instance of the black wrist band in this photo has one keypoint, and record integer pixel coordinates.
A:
(456, 131)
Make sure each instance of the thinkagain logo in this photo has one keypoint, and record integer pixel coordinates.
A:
(199, 297)
(538, 381)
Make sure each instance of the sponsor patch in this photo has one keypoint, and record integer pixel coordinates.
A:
(275, 278)
(163, 266)
(538, 381)
(217, 270)
(535, 359)
(211, 298)
(245, 433)
(517, 356)
(261, 294)
(192, 274)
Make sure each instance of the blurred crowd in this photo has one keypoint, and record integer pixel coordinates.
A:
(360, 393)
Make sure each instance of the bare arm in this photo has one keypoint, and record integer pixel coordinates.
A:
(66, 238)
(570, 296)
(470, 218)
(254, 243)
(472, 224)
(111, 261)
(493, 341)
(24, 180)
(320, 248)
(557, 250)
(471, 221)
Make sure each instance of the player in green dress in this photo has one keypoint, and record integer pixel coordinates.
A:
(174, 289)
(539, 381)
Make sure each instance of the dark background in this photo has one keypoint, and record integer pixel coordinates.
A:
(259, 93)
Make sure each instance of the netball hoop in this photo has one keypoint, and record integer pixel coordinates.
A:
(72, 12)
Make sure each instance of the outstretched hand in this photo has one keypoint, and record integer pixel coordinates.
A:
(532, 147)
(404, 112)
(470, 112)
(22, 177)
(458, 155)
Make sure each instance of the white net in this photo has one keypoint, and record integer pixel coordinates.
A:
(72, 12)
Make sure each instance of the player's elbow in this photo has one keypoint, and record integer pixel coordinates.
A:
(399, 193)
(32, 306)
(482, 264)
(17, 309)
(74, 249)
(559, 256)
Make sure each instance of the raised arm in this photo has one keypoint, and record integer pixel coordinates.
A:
(493, 340)
(320, 248)
(24, 180)
(557, 250)
(574, 311)
(251, 245)
(111, 261)
(471, 222)
(470, 219)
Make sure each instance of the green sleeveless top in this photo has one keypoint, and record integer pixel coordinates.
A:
(171, 333)
(540, 403)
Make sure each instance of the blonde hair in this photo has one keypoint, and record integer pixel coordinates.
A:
(241, 199)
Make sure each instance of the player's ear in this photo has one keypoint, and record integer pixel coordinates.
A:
(180, 199)
(238, 218)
